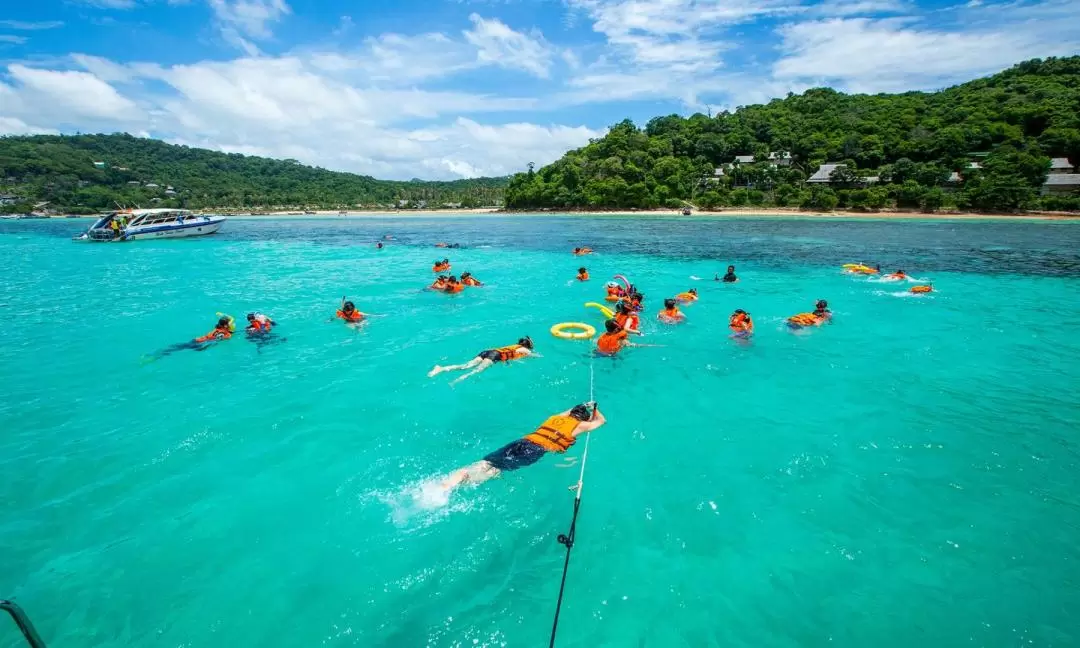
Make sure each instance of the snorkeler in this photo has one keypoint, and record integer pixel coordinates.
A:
(612, 340)
(260, 331)
(469, 280)
(688, 296)
(259, 323)
(349, 313)
(556, 434)
(671, 313)
(821, 315)
(615, 292)
(899, 275)
(729, 277)
(740, 324)
(453, 286)
(485, 359)
(379, 245)
(223, 330)
(627, 318)
(439, 283)
(441, 266)
(582, 274)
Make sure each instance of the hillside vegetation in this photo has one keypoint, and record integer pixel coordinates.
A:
(898, 149)
(61, 169)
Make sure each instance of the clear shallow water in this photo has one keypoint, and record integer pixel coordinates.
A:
(906, 476)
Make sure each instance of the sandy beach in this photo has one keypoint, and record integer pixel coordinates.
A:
(666, 213)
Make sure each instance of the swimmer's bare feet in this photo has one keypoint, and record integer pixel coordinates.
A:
(435, 372)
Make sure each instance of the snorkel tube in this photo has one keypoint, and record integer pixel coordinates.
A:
(232, 321)
(629, 286)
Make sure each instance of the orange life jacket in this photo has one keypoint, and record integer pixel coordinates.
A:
(583, 276)
(671, 313)
(741, 322)
(556, 434)
(803, 319)
(469, 281)
(922, 289)
(610, 342)
(508, 353)
(454, 289)
(224, 334)
(686, 296)
(354, 316)
(440, 268)
(257, 325)
(627, 321)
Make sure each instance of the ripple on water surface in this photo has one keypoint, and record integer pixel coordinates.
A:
(905, 476)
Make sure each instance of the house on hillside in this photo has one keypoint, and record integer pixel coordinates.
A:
(743, 159)
(8, 199)
(100, 165)
(1062, 178)
(821, 176)
(780, 158)
(151, 185)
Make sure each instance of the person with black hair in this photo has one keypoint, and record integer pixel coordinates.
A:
(556, 434)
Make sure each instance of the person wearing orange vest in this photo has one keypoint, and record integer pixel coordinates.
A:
(441, 266)
(439, 283)
(740, 324)
(223, 330)
(259, 324)
(582, 274)
(688, 296)
(349, 313)
(485, 359)
(557, 434)
(821, 315)
(671, 313)
(453, 286)
(613, 339)
(627, 318)
(469, 280)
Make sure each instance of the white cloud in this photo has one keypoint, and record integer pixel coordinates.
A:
(8, 38)
(896, 54)
(70, 95)
(12, 126)
(243, 21)
(497, 44)
(289, 107)
(31, 26)
(108, 4)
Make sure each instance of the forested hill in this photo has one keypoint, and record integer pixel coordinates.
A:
(87, 173)
(998, 134)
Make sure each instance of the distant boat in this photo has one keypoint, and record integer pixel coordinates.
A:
(152, 224)
(309, 212)
(686, 211)
(32, 215)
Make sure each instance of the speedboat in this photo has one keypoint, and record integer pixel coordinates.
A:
(136, 224)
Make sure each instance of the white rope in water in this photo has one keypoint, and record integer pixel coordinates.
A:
(588, 435)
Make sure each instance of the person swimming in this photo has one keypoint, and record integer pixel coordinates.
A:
(439, 283)
(485, 359)
(899, 275)
(671, 313)
(441, 266)
(223, 330)
(612, 340)
(819, 316)
(453, 286)
(627, 318)
(259, 323)
(349, 313)
(582, 274)
(729, 277)
(688, 296)
(740, 324)
(469, 280)
(379, 245)
(614, 292)
(557, 434)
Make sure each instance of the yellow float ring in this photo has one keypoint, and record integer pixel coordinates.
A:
(585, 331)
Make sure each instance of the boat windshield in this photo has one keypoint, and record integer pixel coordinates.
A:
(158, 218)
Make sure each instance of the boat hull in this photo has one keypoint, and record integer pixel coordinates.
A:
(186, 230)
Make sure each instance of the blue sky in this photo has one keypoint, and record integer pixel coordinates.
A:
(444, 89)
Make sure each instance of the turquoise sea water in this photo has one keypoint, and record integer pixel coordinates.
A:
(907, 476)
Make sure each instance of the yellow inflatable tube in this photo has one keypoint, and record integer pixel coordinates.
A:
(577, 331)
(603, 309)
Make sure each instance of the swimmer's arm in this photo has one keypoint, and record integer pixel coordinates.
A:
(590, 425)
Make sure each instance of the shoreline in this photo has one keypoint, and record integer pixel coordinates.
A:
(765, 212)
